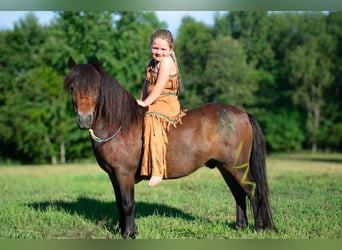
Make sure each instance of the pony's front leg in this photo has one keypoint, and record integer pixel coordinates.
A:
(124, 192)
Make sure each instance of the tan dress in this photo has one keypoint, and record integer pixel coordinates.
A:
(161, 114)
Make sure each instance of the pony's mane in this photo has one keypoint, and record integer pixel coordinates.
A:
(116, 106)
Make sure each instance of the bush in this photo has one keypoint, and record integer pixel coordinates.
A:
(283, 131)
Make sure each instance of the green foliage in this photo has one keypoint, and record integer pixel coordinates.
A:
(283, 131)
(34, 63)
(23, 116)
(309, 67)
(227, 76)
(251, 28)
(192, 48)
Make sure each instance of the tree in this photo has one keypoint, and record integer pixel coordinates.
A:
(250, 27)
(331, 138)
(309, 68)
(38, 117)
(253, 31)
(82, 35)
(283, 130)
(192, 48)
(227, 75)
(19, 54)
(19, 50)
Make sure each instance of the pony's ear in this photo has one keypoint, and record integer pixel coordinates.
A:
(71, 63)
(96, 64)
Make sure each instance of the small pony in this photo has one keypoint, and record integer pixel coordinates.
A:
(212, 135)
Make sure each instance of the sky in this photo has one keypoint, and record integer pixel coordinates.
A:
(172, 18)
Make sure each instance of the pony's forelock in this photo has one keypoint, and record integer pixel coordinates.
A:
(82, 78)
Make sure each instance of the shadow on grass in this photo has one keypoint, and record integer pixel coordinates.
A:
(106, 213)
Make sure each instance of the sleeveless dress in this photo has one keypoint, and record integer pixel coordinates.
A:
(161, 114)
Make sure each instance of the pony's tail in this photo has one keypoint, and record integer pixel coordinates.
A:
(260, 201)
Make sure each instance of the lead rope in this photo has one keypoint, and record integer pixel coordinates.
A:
(98, 139)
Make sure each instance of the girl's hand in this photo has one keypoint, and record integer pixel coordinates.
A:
(141, 103)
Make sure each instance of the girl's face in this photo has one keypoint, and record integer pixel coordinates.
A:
(160, 48)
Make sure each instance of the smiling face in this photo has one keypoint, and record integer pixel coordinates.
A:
(160, 48)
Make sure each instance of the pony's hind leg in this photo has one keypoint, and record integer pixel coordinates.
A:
(239, 196)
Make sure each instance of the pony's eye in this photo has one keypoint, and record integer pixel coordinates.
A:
(71, 90)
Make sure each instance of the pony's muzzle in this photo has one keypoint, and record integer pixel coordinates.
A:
(84, 121)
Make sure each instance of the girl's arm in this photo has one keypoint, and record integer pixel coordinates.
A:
(163, 76)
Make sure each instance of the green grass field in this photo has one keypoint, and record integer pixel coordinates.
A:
(77, 202)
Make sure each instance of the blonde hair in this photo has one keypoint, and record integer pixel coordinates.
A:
(167, 36)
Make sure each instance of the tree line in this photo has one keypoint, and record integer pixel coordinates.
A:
(283, 67)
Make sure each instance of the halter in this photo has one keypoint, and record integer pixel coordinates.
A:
(97, 139)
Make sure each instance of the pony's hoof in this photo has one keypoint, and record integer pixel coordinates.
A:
(130, 235)
(240, 226)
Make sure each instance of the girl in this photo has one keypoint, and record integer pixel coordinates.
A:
(160, 96)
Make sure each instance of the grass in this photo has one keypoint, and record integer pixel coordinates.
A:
(77, 202)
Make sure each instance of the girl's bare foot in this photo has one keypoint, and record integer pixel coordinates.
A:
(155, 180)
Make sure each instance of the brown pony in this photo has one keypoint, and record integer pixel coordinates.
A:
(212, 135)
